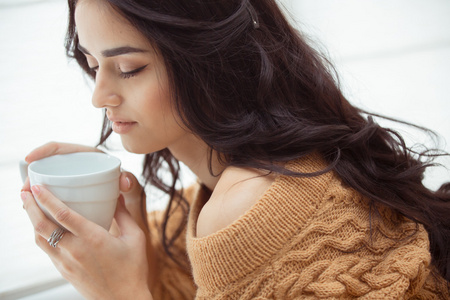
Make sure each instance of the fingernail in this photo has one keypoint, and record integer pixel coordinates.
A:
(128, 182)
(35, 189)
(23, 195)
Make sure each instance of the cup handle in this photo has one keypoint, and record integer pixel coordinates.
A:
(23, 167)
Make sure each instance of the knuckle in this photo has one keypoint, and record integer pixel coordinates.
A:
(77, 255)
(53, 146)
(65, 269)
(62, 215)
(40, 227)
(95, 240)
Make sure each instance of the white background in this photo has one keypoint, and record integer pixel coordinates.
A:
(393, 58)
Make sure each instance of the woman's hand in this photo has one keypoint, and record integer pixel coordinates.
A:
(98, 264)
(132, 192)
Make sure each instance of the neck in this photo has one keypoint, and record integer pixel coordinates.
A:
(194, 153)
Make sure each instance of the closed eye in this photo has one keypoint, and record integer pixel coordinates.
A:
(132, 73)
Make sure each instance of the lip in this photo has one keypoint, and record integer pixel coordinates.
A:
(121, 126)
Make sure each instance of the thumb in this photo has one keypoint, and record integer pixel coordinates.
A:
(135, 199)
(129, 184)
(124, 220)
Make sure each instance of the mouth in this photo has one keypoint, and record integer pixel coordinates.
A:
(123, 127)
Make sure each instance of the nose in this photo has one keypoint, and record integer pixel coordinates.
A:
(105, 92)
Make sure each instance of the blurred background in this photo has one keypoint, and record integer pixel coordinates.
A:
(393, 58)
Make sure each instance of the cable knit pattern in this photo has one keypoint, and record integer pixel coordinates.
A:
(311, 238)
(172, 281)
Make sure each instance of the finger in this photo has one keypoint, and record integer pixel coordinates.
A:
(135, 200)
(129, 184)
(124, 220)
(54, 148)
(26, 185)
(45, 246)
(42, 225)
(68, 218)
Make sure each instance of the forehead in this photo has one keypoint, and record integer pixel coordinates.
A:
(100, 11)
(98, 23)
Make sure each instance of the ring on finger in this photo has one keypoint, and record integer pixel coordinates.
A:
(56, 236)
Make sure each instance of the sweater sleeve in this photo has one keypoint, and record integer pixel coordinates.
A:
(173, 280)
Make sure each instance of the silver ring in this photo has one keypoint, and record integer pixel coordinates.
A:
(56, 236)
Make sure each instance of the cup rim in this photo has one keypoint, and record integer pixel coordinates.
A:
(109, 173)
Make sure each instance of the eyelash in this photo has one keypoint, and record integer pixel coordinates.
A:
(124, 75)
(133, 73)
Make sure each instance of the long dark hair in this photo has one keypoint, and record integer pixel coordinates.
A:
(249, 85)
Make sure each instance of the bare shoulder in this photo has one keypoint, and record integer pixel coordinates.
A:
(236, 192)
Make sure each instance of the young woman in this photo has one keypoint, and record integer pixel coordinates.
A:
(299, 193)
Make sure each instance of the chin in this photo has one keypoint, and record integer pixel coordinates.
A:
(137, 148)
(134, 149)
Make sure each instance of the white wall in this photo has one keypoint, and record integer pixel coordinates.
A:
(393, 58)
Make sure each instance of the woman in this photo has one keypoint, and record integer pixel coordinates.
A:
(300, 194)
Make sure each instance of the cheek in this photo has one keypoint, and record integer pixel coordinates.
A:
(156, 101)
(156, 107)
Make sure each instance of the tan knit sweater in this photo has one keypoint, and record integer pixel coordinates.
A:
(306, 238)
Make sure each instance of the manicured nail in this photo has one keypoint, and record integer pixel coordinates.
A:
(128, 182)
(35, 189)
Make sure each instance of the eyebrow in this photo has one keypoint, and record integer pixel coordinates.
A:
(114, 51)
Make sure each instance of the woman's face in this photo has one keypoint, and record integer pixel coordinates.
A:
(131, 80)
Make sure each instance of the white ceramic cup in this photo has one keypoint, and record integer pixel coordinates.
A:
(87, 182)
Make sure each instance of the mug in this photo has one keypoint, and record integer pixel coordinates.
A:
(87, 182)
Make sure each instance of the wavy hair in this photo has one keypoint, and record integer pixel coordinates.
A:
(261, 96)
